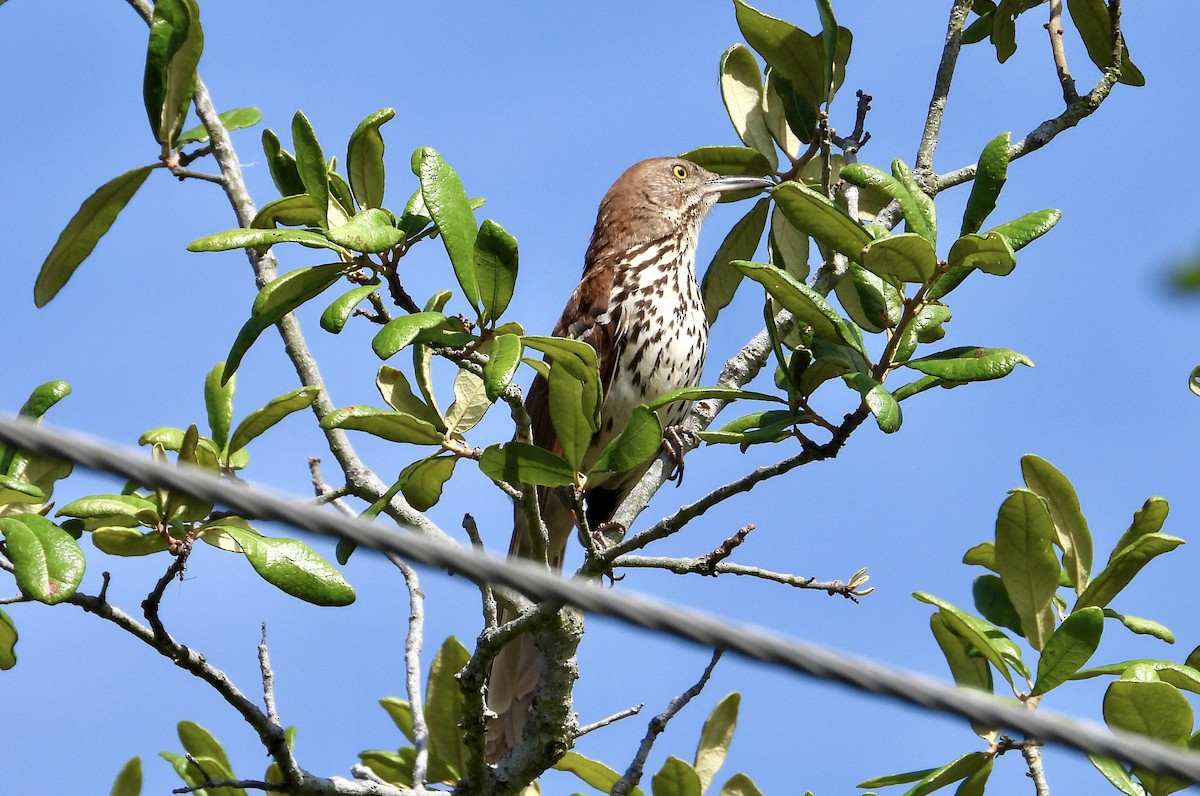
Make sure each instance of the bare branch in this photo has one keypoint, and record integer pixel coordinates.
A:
(941, 85)
(268, 678)
(1059, 51)
(614, 718)
(412, 667)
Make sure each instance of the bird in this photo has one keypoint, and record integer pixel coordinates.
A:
(639, 305)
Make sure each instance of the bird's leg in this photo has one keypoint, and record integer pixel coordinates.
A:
(676, 440)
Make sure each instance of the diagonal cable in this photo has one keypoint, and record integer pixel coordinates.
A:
(541, 584)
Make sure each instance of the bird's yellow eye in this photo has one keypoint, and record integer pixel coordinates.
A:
(680, 171)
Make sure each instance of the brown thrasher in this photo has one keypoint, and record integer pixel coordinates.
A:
(639, 305)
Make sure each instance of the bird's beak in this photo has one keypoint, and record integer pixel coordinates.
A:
(738, 182)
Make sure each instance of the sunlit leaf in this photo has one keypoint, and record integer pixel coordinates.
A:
(364, 159)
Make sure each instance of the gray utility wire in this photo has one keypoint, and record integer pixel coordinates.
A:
(540, 584)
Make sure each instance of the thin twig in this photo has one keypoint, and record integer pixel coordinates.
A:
(153, 600)
(633, 774)
(268, 678)
(1059, 51)
(412, 668)
(697, 566)
(485, 589)
(614, 718)
(941, 85)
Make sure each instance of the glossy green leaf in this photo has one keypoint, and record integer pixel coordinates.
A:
(592, 772)
(867, 176)
(968, 670)
(470, 403)
(721, 279)
(1070, 526)
(1123, 567)
(47, 562)
(311, 165)
(1069, 648)
(1156, 710)
(637, 444)
(235, 119)
(1004, 29)
(121, 541)
(993, 603)
(676, 778)
(393, 386)
(334, 318)
(398, 333)
(1146, 520)
(982, 555)
(422, 481)
(719, 393)
(364, 159)
(574, 410)
(989, 641)
(261, 238)
(495, 268)
(925, 220)
(742, 93)
(77, 240)
(129, 779)
(1142, 626)
(989, 179)
(781, 105)
(199, 742)
(1022, 231)
(809, 307)
(258, 421)
(730, 160)
(294, 568)
(1092, 20)
(788, 247)
(884, 408)
(924, 328)
(400, 712)
(392, 426)
(959, 768)
(503, 361)
(797, 55)
(370, 231)
(895, 779)
(172, 53)
(450, 209)
(871, 302)
(813, 214)
(1116, 774)
(829, 42)
(106, 507)
(908, 257)
(218, 403)
(970, 363)
(715, 737)
(8, 642)
(282, 165)
(290, 211)
(443, 704)
(1178, 675)
(975, 784)
(1027, 563)
(990, 253)
(521, 463)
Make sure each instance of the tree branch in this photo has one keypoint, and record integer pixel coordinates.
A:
(412, 666)
(941, 85)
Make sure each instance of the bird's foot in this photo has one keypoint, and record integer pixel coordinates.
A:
(603, 536)
(676, 440)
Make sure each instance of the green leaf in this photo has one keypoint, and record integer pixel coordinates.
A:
(1146, 520)
(1156, 710)
(1178, 675)
(918, 386)
(1027, 563)
(129, 779)
(908, 257)
(703, 393)
(282, 165)
(294, 568)
(443, 704)
(311, 165)
(503, 360)
(925, 216)
(883, 406)
(721, 279)
(422, 481)
(959, 768)
(398, 333)
(783, 108)
(740, 785)
(400, 712)
(715, 737)
(334, 318)
(1020, 232)
(395, 389)
(1070, 526)
(106, 507)
(970, 363)
(813, 214)
(1115, 773)
(258, 421)
(470, 403)
(199, 742)
(867, 176)
(924, 328)
(797, 55)
(370, 231)
(1141, 626)
(495, 268)
(742, 93)
(47, 562)
(261, 238)
(809, 307)
(730, 160)
(117, 540)
(392, 426)
(974, 784)
(234, 119)
(1004, 29)
(1069, 648)
(990, 253)
(887, 780)
(521, 463)
(676, 778)
(1094, 24)
(990, 175)
(290, 211)
(993, 603)
(364, 159)
(787, 246)
(982, 555)
(8, 642)
(574, 410)
(871, 302)
(172, 53)
(448, 206)
(640, 442)
(991, 643)
(592, 772)
(1123, 567)
(968, 670)
(218, 402)
(94, 218)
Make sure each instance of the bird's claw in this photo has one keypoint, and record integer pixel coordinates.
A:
(676, 440)
(602, 536)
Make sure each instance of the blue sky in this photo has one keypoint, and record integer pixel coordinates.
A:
(539, 109)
